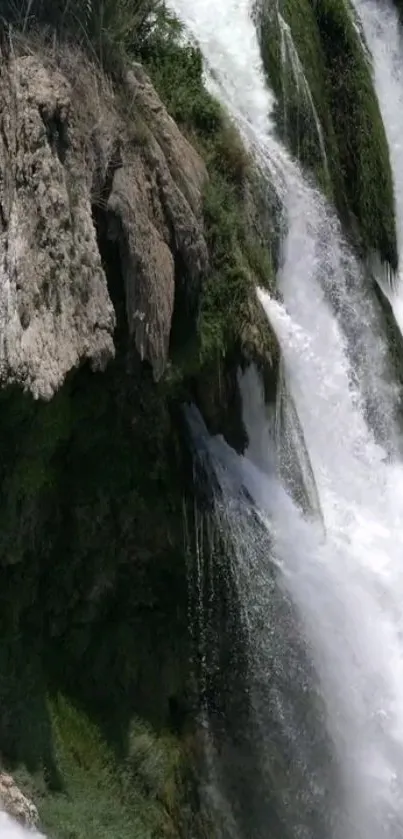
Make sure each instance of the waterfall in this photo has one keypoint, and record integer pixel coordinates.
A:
(9, 829)
(342, 588)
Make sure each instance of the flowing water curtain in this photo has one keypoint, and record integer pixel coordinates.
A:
(270, 753)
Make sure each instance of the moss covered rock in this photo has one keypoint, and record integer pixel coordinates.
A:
(93, 483)
(316, 46)
(101, 794)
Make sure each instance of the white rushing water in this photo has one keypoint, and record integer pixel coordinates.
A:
(9, 829)
(348, 586)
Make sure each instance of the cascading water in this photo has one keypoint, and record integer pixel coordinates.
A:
(9, 829)
(346, 584)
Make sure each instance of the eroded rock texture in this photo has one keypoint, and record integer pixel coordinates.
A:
(54, 304)
(17, 805)
(68, 146)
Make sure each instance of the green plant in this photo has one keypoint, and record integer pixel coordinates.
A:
(109, 30)
(102, 798)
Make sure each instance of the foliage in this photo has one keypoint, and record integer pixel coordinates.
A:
(109, 30)
(361, 139)
(100, 797)
(338, 74)
(230, 318)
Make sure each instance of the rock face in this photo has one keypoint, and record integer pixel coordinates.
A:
(67, 146)
(155, 213)
(13, 802)
(54, 304)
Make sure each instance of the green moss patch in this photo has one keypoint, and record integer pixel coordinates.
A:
(361, 139)
(139, 796)
(241, 254)
(339, 75)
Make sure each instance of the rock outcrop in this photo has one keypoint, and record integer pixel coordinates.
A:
(67, 146)
(154, 210)
(54, 305)
(13, 802)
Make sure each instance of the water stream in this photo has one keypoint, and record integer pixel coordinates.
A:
(9, 829)
(346, 582)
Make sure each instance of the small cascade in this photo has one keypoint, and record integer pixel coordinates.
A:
(318, 611)
(277, 441)
(270, 781)
(10, 829)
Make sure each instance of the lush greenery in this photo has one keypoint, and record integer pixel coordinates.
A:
(96, 706)
(96, 795)
(242, 253)
(338, 75)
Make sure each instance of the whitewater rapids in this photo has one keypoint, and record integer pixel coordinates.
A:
(347, 586)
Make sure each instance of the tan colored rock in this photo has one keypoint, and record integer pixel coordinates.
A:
(67, 145)
(55, 309)
(155, 226)
(185, 164)
(13, 802)
(155, 212)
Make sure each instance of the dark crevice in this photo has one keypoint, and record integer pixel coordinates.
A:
(111, 263)
(56, 132)
(186, 310)
(109, 248)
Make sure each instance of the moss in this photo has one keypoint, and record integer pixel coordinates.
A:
(138, 796)
(362, 144)
(230, 320)
(293, 59)
(338, 72)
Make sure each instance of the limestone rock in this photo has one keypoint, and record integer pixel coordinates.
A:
(55, 309)
(155, 214)
(185, 164)
(156, 229)
(67, 147)
(13, 802)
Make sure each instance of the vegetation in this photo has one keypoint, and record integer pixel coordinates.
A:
(241, 254)
(98, 795)
(93, 589)
(95, 697)
(338, 73)
(111, 31)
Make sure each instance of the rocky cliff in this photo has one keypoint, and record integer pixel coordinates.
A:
(134, 229)
(131, 245)
(67, 151)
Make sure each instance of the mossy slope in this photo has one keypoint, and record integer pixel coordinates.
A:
(339, 74)
(95, 794)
